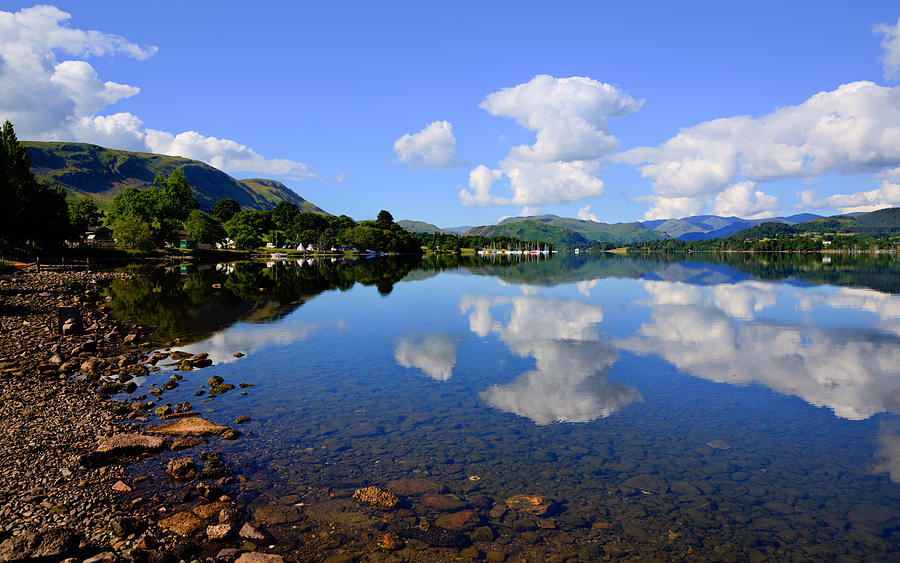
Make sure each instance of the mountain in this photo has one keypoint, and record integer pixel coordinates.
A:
(566, 231)
(533, 231)
(101, 174)
(702, 227)
(419, 226)
(881, 222)
(458, 230)
(423, 227)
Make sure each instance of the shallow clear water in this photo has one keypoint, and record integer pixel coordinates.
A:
(722, 409)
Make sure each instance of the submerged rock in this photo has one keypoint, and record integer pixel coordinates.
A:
(182, 469)
(530, 504)
(379, 498)
(217, 532)
(390, 542)
(189, 427)
(647, 483)
(719, 445)
(274, 514)
(184, 523)
(458, 521)
(443, 502)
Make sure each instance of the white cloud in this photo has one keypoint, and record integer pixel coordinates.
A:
(568, 114)
(339, 176)
(888, 195)
(481, 178)
(78, 81)
(434, 354)
(120, 130)
(853, 129)
(224, 154)
(891, 44)
(534, 183)
(743, 200)
(529, 211)
(585, 214)
(47, 99)
(569, 117)
(432, 147)
(669, 207)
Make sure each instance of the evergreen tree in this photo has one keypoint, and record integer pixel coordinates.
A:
(32, 209)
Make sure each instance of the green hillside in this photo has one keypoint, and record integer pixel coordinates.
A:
(557, 235)
(101, 173)
(883, 221)
(565, 231)
(419, 226)
(679, 227)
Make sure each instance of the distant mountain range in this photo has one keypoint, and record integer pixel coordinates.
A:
(423, 227)
(569, 232)
(701, 227)
(101, 174)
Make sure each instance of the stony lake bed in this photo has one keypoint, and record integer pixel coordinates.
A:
(569, 409)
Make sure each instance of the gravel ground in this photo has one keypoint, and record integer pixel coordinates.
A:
(59, 499)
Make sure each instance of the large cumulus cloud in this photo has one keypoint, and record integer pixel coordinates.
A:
(854, 129)
(51, 99)
(569, 117)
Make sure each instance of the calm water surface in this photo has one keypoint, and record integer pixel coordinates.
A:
(731, 409)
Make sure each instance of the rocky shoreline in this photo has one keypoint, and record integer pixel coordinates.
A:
(65, 443)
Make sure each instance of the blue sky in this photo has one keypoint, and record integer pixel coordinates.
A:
(460, 113)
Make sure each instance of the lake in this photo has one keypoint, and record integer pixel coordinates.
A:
(741, 407)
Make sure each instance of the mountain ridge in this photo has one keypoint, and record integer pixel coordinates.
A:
(571, 232)
(102, 173)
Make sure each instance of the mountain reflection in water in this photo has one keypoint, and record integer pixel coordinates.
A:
(673, 407)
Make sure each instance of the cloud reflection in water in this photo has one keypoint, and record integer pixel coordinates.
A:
(569, 384)
(853, 371)
(434, 354)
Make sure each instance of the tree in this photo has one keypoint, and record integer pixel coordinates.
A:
(133, 202)
(131, 232)
(32, 210)
(341, 222)
(326, 239)
(246, 228)
(308, 221)
(175, 202)
(224, 209)
(204, 228)
(385, 219)
(176, 196)
(245, 237)
(48, 211)
(284, 215)
(84, 213)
